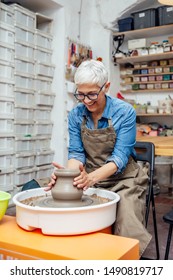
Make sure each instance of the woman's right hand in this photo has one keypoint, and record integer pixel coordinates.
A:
(53, 176)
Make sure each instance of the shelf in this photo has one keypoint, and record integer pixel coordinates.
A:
(147, 90)
(147, 32)
(144, 58)
(154, 115)
(146, 75)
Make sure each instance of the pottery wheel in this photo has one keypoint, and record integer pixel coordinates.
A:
(49, 202)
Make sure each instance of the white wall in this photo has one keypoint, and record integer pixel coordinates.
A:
(89, 22)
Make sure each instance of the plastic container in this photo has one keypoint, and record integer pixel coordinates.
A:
(6, 143)
(24, 65)
(4, 200)
(24, 128)
(6, 70)
(44, 157)
(145, 19)
(43, 40)
(24, 81)
(24, 98)
(43, 84)
(42, 143)
(24, 160)
(6, 34)
(6, 125)
(165, 15)
(23, 113)
(43, 55)
(125, 24)
(6, 108)
(44, 171)
(41, 114)
(6, 179)
(24, 175)
(44, 99)
(24, 16)
(6, 14)
(163, 170)
(6, 160)
(24, 34)
(6, 88)
(6, 52)
(23, 144)
(24, 49)
(43, 128)
(44, 69)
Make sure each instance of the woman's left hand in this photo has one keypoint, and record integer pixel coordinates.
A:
(82, 181)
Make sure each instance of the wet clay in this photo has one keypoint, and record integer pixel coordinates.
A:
(64, 189)
(47, 201)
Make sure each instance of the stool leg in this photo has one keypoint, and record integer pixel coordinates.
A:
(168, 242)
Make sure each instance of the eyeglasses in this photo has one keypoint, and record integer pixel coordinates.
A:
(91, 96)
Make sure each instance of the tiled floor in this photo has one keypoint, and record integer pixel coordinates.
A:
(163, 203)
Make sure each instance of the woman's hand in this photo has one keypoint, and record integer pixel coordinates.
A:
(53, 177)
(83, 181)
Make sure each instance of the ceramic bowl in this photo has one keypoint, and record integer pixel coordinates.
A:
(4, 200)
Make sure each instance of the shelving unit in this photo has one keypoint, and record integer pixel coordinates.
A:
(128, 77)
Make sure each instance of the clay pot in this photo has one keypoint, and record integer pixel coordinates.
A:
(64, 189)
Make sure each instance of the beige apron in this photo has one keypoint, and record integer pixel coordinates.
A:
(131, 185)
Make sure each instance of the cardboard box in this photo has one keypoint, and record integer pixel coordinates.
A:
(137, 44)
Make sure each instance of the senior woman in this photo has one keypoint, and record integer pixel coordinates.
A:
(102, 133)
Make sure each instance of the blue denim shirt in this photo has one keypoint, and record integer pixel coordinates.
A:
(123, 118)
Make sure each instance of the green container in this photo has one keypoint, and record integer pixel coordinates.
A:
(166, 77)
(4, 200)
(135, 87)
(171, 69)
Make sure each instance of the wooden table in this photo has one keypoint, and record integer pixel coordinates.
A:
(21, 244)
(163, 145)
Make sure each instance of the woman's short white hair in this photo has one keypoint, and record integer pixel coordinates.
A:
(91, 72)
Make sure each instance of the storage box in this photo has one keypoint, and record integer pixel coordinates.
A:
(42, 143)
(6, 14)
(24, 128)
(125, 24)
(44, 157)
(24, 65)
(24, 98)
(24, 113)
(24, 175)
(23, 144)
(43, 128)
(6, 143)
(6, 108)
(6, 179)
(24, 160)
(6, 160)
(24, 49)
(6, 34)
(165, 15)
(145, 19)
(24, 81)
(6, 88)
(6, 52)
(43, 40)
(24, 16)
(137, 44)
(22, 33)
(44, 99)
(44, 171)
(6, 126)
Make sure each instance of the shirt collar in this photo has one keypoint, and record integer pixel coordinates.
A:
(107, 110)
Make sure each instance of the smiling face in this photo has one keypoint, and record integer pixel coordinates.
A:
(94, 106)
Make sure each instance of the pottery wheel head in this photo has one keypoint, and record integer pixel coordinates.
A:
(49, 202)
